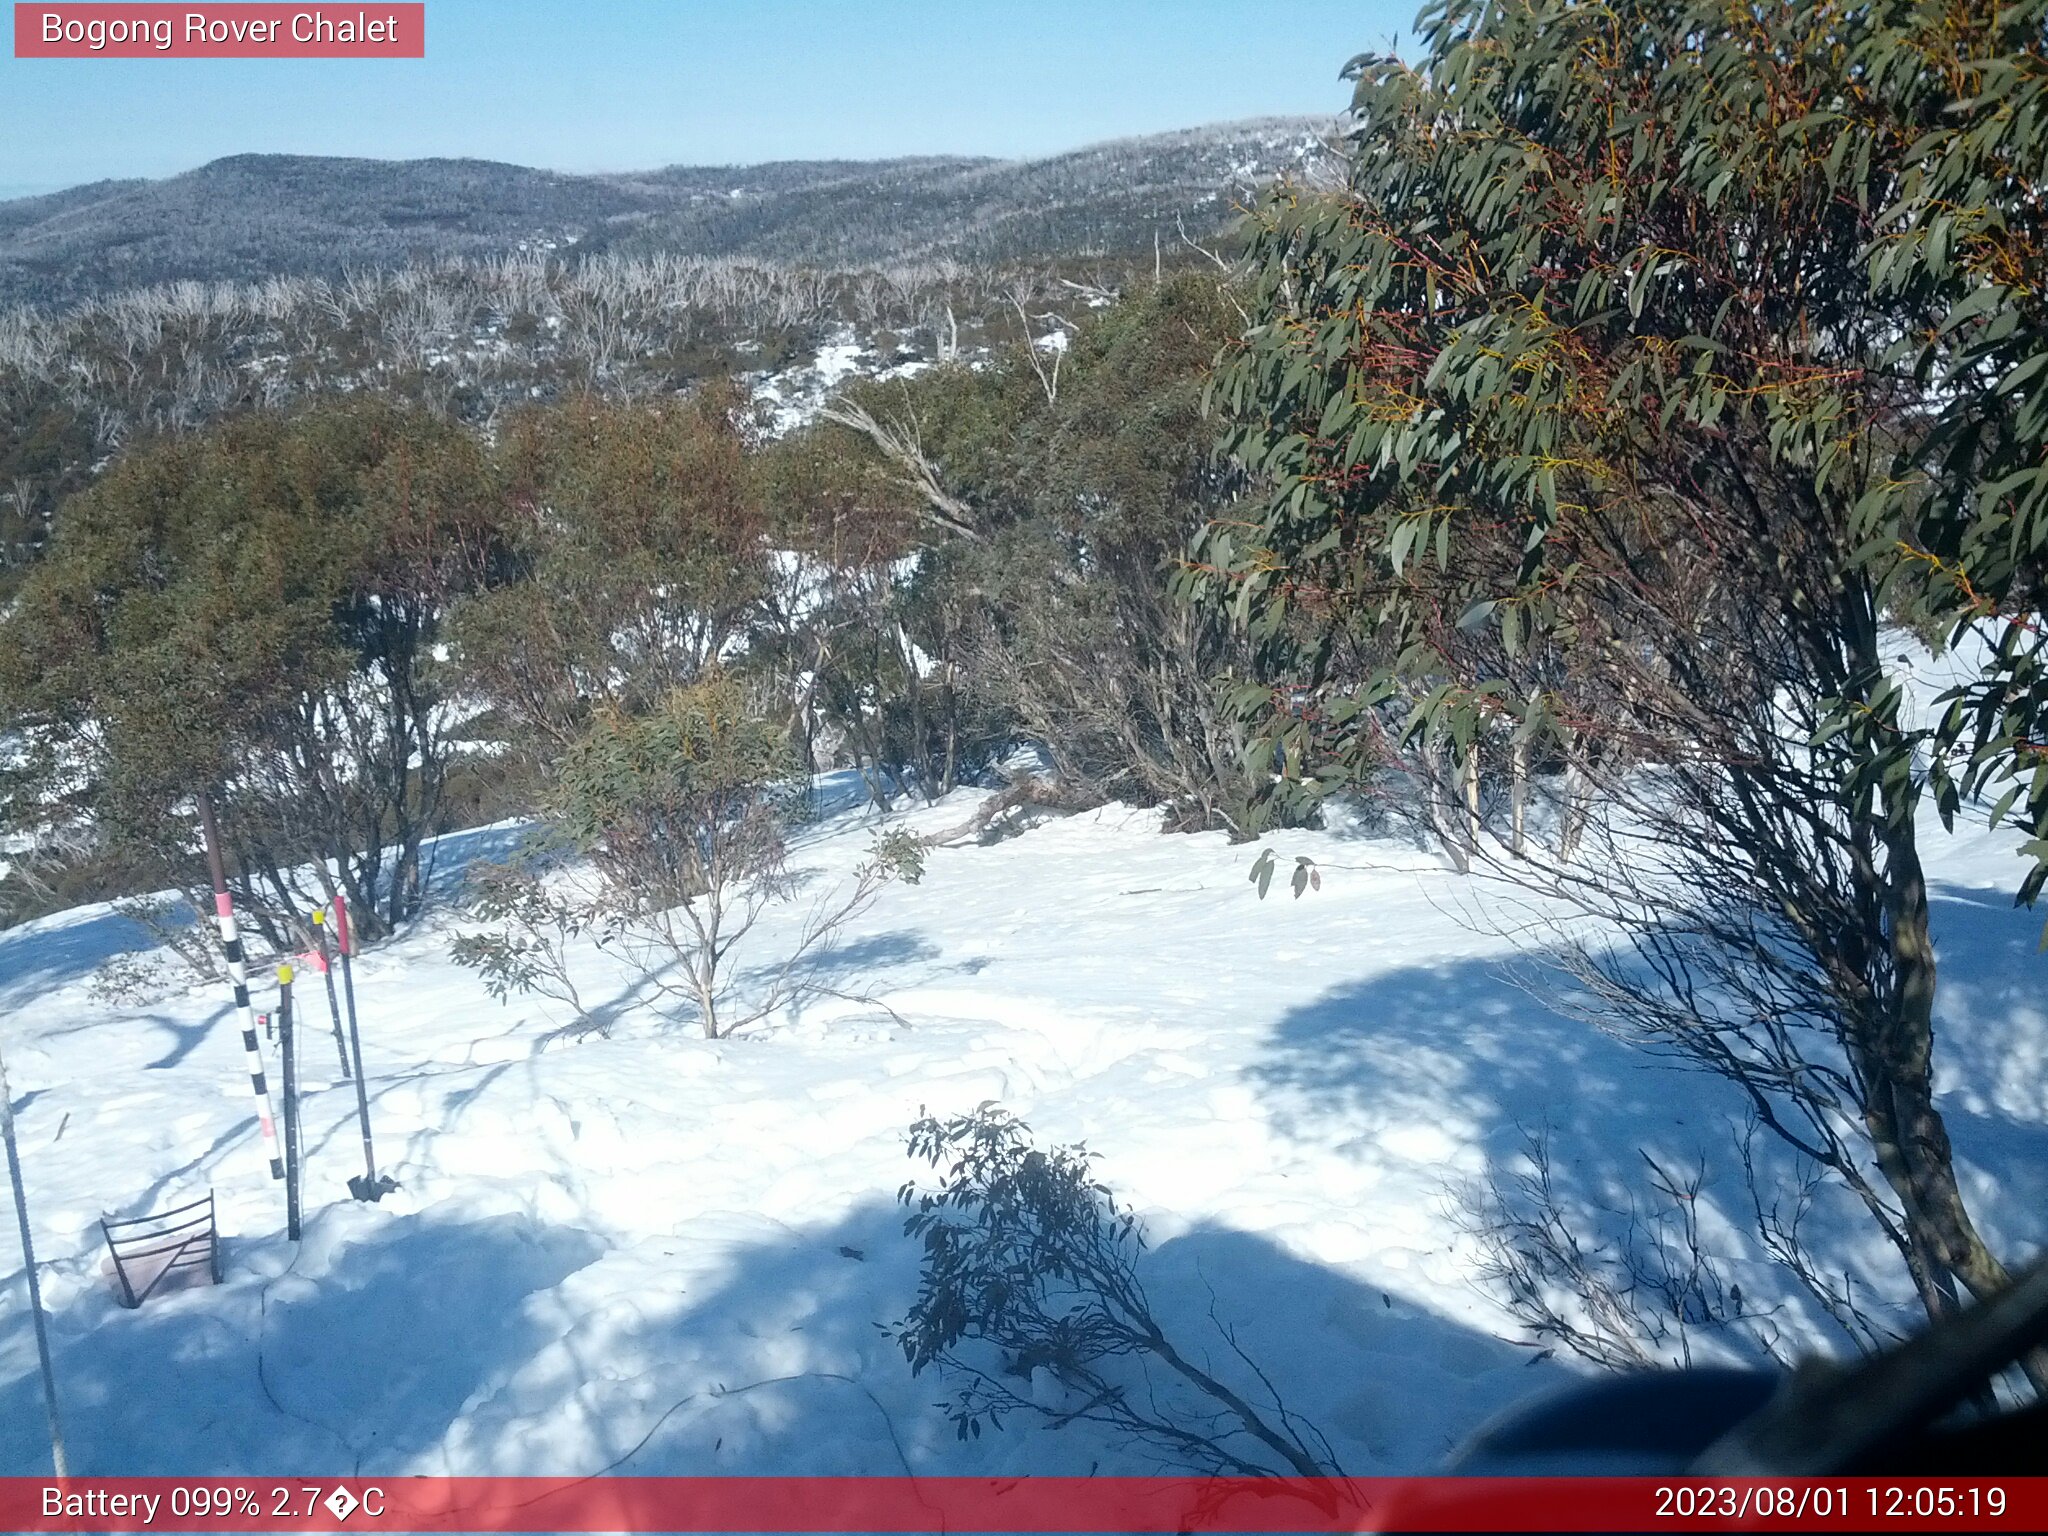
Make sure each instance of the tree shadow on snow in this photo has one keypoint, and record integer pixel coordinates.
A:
(737, 1345)
(875, 952)
(360, 1368)
(44, 954)
(1462, 1063)
(1991, 1004)
(185, 1038)
(837, 964)
(445, 860)
(767, 1353)
(1455, 1069)
(1465, 1059)
(1470, 1045)
(1991, 1054)
(1465, 1048)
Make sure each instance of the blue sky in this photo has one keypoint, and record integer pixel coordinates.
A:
(628, 84)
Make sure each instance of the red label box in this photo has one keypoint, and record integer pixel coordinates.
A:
(1050, 1506)
(101, 30)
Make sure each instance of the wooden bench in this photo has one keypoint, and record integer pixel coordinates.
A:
(166, 1251)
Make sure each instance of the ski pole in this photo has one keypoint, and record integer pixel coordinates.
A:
(285, 1045)
(231, 945)
(355, 1040)
(35, 1289)
(327, 975)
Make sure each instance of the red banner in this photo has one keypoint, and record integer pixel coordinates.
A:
(266, 31)
(1049, 1504)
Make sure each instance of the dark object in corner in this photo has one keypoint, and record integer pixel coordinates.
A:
(1908, 1412)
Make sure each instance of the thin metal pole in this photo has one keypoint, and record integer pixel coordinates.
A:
(327, 975)
(231, 946)
(35, 1289)
(355, 1039)
(286, 1045)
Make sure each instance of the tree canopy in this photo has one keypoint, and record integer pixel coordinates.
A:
(1613, 279)
(251, 612)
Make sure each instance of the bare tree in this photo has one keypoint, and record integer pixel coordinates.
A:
(901, 446)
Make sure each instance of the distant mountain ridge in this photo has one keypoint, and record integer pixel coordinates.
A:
(252, 216)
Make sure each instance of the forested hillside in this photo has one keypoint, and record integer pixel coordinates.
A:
(258, 216)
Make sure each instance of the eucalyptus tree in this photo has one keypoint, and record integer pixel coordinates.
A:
(254, 612)
(1657, 357)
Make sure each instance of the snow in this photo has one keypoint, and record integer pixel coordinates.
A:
(659, 1254)
(791, 398)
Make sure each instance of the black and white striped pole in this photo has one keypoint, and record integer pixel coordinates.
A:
(238, 973)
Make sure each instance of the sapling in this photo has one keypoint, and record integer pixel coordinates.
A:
(1031, 1278)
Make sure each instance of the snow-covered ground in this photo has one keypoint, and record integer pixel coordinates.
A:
(666, 1255)
(791, 398)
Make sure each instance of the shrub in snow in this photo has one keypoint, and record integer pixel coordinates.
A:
(1629, 1290)
(684, 811)
(180, 953)
(527, 952)
(1030, 1302)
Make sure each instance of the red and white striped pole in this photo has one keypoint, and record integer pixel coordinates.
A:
(238, 973)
